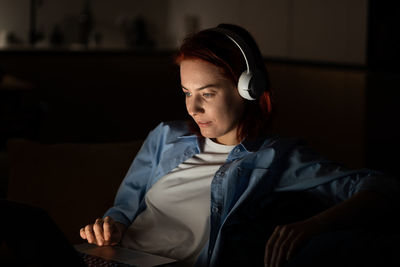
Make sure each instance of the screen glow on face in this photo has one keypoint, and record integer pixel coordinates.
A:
(212, 100)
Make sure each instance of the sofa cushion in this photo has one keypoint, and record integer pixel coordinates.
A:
(74, 183)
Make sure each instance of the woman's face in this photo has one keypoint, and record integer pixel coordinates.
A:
(212, 100)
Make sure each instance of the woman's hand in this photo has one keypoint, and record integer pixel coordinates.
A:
(286, 239)
(103, 232)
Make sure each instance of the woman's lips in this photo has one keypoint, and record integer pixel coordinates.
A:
(204, 123)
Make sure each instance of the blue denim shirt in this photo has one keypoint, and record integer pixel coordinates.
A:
(266, 165)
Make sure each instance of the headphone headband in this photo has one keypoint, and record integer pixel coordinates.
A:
(242, 45)
(252, 82)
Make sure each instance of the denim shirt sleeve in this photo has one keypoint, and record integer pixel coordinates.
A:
(330, 181)
(341, 189)
(133, 187)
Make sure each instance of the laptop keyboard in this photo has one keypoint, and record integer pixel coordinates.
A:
(93, 261)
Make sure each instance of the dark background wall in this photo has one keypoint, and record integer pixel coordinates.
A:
(383, 86)
(89, 96)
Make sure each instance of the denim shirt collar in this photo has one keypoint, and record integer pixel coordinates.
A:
(193, 139)
(239, 151)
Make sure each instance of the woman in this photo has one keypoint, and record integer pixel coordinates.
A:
(192, 190)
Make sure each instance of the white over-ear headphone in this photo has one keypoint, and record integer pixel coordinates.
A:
(252, 82)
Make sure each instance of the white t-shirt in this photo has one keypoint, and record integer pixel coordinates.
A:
(176, 221)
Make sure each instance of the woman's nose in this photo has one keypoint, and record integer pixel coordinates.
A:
(194, 106)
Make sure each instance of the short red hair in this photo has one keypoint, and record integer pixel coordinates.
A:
(215, 48)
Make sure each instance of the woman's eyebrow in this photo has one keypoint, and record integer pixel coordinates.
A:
(202, 88)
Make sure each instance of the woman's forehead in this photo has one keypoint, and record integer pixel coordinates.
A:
(200, 71)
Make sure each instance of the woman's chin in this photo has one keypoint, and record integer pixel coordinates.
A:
(207, 134)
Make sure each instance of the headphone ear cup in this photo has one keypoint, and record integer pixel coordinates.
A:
(244, 85)
(252, 85)
(258, 84)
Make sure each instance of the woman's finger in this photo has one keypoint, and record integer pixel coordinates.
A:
(277, 245)
(270, 246)
(89, 234)
(283, 248)
(109, 228)
(98, 231)
(82, 233)
(280, 233)
(294, 246)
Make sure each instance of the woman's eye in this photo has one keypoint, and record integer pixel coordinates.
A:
(186, 93)
(208, 95)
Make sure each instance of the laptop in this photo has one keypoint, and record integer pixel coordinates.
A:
(29, 237)
(121, 256)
